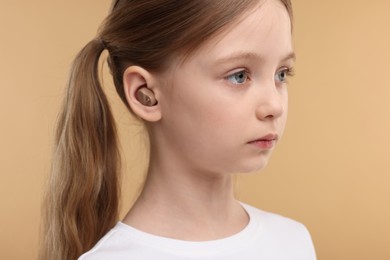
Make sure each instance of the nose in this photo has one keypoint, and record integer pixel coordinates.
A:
(272, 102)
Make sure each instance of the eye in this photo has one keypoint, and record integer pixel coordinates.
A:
(282, 75)
(238, 78)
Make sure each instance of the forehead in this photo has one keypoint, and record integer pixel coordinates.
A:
(264, 31)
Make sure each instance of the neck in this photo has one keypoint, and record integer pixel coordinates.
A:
(176, 201)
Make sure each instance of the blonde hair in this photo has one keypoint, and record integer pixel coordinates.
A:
(81, 202)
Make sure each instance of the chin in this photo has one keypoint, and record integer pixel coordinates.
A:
(253, 167)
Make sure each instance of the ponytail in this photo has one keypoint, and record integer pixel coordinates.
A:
(82, 199)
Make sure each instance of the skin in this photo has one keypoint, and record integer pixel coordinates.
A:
(230, 92)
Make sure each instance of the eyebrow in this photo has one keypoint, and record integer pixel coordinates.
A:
(251, 56)
(290, 56)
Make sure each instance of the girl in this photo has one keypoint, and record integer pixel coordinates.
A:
(208, 79)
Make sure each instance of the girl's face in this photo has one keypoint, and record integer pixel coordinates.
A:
(226, 105)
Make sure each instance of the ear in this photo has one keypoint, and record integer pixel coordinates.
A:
(135, 78)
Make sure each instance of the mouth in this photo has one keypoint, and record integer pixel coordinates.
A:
(265, 142)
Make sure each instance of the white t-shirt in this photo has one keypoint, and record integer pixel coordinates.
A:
(267, 237)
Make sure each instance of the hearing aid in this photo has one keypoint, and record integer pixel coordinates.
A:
(146, 97)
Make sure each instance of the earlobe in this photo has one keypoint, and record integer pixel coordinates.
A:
(139, 87)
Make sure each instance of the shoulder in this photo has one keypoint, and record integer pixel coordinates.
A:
(283, 232)
(272, 220)
(107, 247)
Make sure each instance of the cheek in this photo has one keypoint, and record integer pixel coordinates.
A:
(199, 110)
(283, 118)
(198, 101)
(205, 120)
(209, 117)
(285, 104)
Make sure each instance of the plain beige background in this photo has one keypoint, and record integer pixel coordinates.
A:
(331, 171)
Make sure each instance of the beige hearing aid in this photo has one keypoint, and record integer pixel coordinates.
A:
(146, 97)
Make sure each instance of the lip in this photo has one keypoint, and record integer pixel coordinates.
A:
(266, 142)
